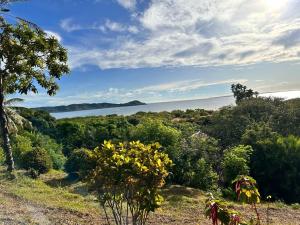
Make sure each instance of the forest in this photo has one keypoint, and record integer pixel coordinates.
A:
(257, 137)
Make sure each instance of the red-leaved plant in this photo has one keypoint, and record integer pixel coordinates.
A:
(247, 192)
(218, 211)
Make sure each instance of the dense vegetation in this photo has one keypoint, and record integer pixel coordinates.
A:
(257, 137)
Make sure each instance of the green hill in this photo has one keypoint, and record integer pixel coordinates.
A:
(87, 106)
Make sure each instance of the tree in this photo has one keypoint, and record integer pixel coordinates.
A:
(28, 58)
(236, 162)
(241, 92)
(150, 131)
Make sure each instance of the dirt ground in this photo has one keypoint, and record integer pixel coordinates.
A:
(17, 211)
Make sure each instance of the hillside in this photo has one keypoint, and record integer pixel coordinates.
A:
(53, 199)
(86, 106)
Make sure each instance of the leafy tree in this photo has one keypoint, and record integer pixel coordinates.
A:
(155, 131)
(28, 58)
(240, 92)
(127, 178)
(228, 125)
(235, 162)
(150, 131)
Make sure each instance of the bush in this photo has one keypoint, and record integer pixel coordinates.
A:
(275, 163)
(29, 140)
(37, 159)
(236, 162)
(21, 145)
(196, 165)
(80, 162)
(129, 174)
(203, 176)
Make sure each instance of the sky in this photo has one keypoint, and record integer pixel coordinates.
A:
(167, 50)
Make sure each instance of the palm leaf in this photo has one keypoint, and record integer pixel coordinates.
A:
(13, 101)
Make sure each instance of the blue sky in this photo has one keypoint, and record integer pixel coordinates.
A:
(165, 50)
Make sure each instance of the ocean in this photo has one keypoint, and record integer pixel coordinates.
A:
(208, 104)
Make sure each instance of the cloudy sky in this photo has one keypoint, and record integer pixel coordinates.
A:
(165, 50)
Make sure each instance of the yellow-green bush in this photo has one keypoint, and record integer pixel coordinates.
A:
(130, 174)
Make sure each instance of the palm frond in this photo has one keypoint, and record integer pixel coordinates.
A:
(15, 121)
(12, 101)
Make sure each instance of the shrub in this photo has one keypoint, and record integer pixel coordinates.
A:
(37, 159)
(219, 211)
(21, 145)
(80, 162)
(196, 165)
(247, 192)
(203, 176)
(275, 163)
(53, 149)
(236, 162)
(129, 174)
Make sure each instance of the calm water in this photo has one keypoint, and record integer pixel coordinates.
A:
(209, 104)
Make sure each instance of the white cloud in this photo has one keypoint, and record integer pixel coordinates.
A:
(69, 26)
(189, 85)
(54, 34)
(201, 33)
(151, 93)
(127, 4)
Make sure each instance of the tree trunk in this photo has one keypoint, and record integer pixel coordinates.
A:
(5, 133)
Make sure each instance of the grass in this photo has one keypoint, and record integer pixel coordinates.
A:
(182, 205)
(38, 191)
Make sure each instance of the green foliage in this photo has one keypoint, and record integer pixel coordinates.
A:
(41, 121)
(89, 132)
(197, 163)
(230, 123)
(2, 156)
(33, 58)
(203, 176)
(246, 190)
(219, 211)
(235, 162)
(275, 163)
(80, 162)
(53, 149)
(130, 173)
(155, 131)
(37, 159)
(21, 145)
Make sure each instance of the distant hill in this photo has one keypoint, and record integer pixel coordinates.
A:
(86, 106)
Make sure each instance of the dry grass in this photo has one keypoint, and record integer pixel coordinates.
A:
(54, 199)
